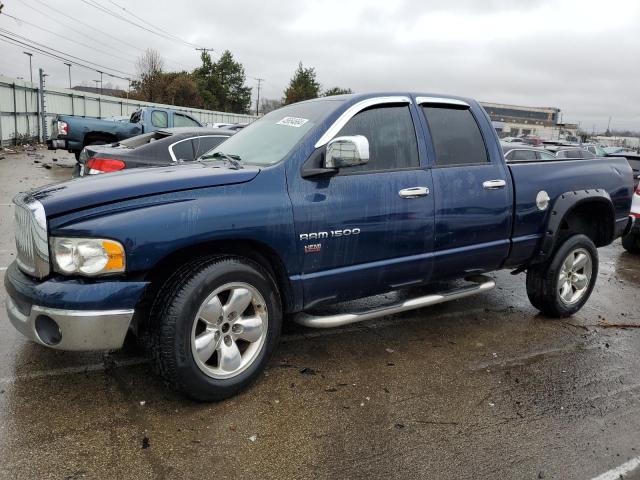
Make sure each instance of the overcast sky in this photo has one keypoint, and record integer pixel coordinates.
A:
(580, 56)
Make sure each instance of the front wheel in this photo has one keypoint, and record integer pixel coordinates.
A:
(563, 284)
(214, 325)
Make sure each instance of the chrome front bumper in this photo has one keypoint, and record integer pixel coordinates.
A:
(76, 329)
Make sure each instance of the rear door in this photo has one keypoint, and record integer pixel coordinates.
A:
(472, 190)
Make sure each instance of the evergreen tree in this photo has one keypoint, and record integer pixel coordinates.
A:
(302, 86)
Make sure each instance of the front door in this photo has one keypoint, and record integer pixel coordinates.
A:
(361, 231)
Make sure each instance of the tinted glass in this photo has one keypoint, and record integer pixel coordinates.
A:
(455, 135)
(523, 155)
(159, 119)
(545, 156)
(184, 121)
(391, 136)
(268, 140)
(183, 150)
(204, 144)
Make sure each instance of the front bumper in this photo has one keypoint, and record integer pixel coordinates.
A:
(71, 329)
(71, 314)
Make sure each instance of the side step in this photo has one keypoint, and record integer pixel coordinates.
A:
(481, 283)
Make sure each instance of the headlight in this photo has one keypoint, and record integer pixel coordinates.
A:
(87, 256)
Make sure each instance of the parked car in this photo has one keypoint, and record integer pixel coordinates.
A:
(570, 152)
(74, 133)
(318, 202)
(162, 147)
(524, 153)
(631, 241)
(513, 140)
(594, 148)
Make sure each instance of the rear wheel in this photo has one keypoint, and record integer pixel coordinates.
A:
(563, 284)
(631, 242)
(214, 325)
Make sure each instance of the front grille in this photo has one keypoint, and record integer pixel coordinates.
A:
(30, 227)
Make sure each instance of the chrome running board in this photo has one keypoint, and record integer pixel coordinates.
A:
(481, 284)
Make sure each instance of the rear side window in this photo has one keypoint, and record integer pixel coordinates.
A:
(183, 150)
(545, 156)
(159, 119)
(456, 137)
(391, 136)
(183, 121)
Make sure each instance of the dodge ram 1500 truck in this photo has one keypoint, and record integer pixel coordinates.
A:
(316, 203)
(74, 133)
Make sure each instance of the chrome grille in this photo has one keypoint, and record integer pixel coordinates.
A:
(30, 227)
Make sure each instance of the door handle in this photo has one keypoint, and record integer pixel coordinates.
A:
(494, 184)
(414, 192)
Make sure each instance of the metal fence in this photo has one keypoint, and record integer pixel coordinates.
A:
(21, 119)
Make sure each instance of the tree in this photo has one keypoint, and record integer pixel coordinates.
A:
(336, 91)
(221, 84)
(268, 105)
(302, 86)
(149, 85)
(181, 89)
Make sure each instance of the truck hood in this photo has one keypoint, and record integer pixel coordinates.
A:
(105, 188)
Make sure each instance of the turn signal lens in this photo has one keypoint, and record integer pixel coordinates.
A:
(87, 256)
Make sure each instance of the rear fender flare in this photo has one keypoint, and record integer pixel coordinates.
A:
(561, 208)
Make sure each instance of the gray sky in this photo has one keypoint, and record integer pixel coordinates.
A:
(580, 56)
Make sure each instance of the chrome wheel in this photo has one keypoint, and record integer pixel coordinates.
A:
(574, 276)
(229, 330)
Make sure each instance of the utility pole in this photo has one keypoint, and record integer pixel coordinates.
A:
(69, 65)
(30, 68)
(609, 126)
(128, 88)
(43, 117)
(259, 80)
(207, 50)
(100, 80)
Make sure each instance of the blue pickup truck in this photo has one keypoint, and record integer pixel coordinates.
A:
(316, 203)
(74, 133)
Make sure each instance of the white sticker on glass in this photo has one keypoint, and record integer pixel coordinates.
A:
(292, 121)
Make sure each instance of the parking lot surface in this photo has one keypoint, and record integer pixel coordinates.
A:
(483, 387)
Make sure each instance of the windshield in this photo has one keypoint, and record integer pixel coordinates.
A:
(268, 140)
(138, 141)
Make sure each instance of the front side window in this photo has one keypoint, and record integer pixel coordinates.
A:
(180, 120)
(456, 137)
(159, 119)
(522, 156)
(391, 135)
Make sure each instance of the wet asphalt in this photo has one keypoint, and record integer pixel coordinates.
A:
(483, 387)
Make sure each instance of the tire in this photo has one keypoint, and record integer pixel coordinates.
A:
(209, 299)
(631, 242)
(549, 292)
(76, 171)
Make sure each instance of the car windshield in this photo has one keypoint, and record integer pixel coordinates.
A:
(269, 139)
(140, 140)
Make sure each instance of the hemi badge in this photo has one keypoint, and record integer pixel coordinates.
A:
(313, 248)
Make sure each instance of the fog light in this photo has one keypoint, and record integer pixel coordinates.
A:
(48, 330)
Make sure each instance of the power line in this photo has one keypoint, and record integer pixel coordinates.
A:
(93, 30)
(154, 26)
(20, 37)
(103, 9)
(67, 38)
(23, 44)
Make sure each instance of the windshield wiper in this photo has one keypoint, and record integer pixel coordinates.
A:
(233, 160)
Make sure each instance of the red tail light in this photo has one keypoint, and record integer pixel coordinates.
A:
(638, 189)
(104, 165)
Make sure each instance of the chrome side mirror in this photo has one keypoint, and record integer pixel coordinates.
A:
(347, 151)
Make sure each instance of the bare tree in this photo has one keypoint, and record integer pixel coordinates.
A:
(150, 82)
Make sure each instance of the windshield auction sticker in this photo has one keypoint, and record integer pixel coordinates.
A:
(292, 121)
